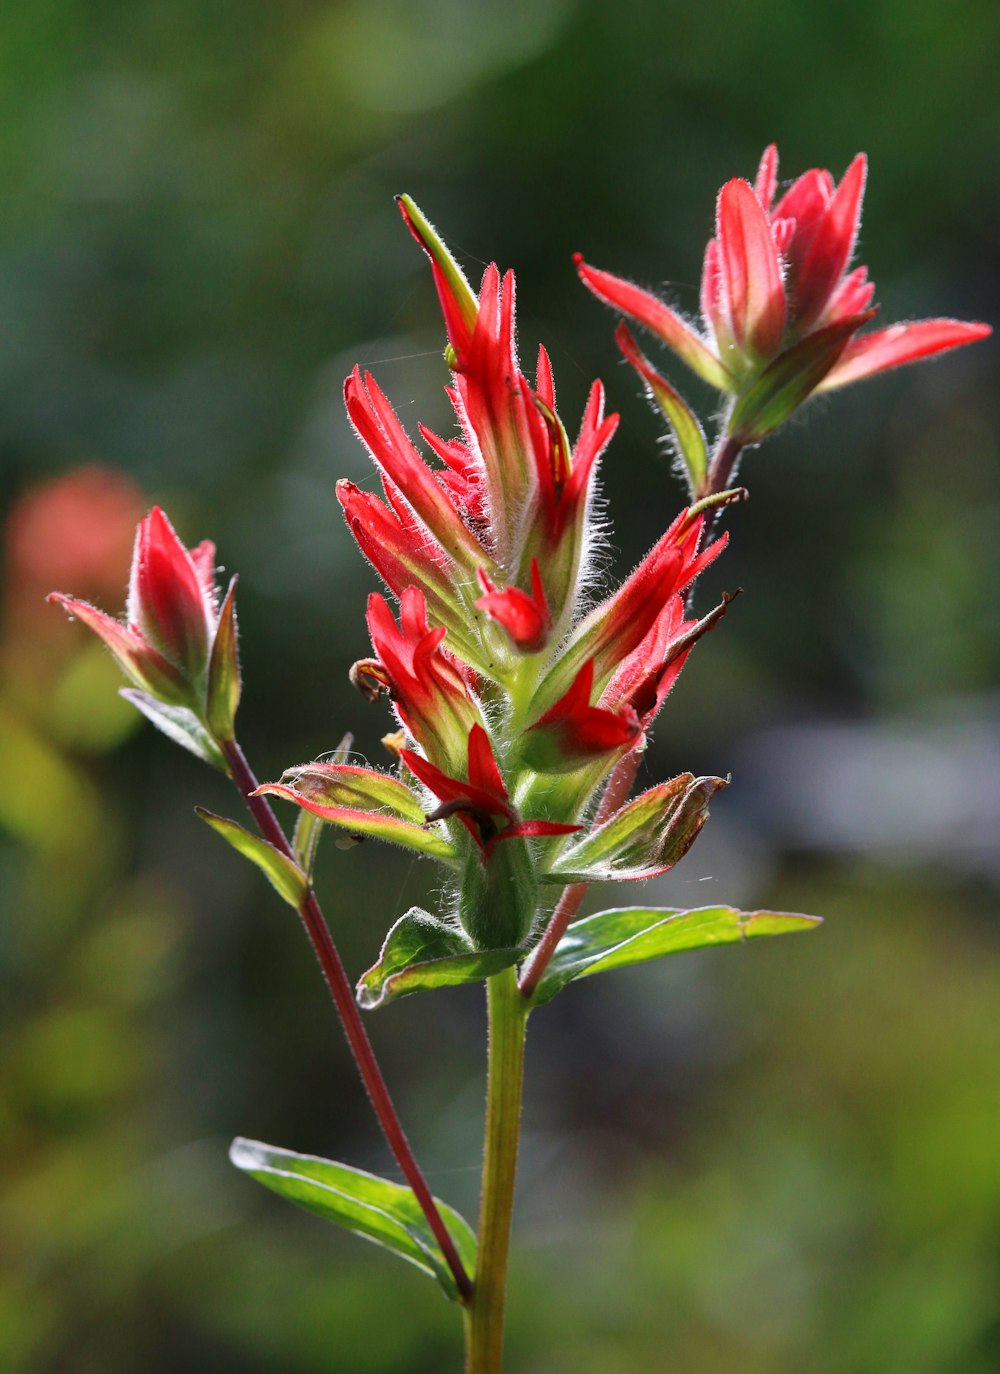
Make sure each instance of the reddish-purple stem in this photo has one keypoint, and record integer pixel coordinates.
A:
(618, 787)
(357, 1037)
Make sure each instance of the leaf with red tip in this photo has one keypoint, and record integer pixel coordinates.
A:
(375, 824)
(900, 344)
(683, 422)
(648, 310)
(751, 270)
(138, 660)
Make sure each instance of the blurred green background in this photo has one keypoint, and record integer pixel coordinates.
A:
(776, 1158)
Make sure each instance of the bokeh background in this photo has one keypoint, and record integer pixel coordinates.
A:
(776, 1158)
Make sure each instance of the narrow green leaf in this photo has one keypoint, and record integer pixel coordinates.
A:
(286, 877)
(178, 723)
(224, 681)
(684, 424)
(634, 935)
(421, 952)
(383, 1212)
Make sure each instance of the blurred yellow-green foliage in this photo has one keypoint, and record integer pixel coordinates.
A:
(780, 1158)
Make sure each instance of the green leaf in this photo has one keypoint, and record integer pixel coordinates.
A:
(286, 877)
(421, 952)
(224, 681)
(684, 424)
(178, 723)
(634, 935)
(383, 1212)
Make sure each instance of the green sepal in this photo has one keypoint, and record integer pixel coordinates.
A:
(285, 877)
(684, 424)
(225, 683)
(635, 935)
(788, 381)
(423, 952)
(179, 724)
(647, 836)
(383, 1212)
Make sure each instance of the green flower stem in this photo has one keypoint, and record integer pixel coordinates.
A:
(343, 1000)
(508, 1014)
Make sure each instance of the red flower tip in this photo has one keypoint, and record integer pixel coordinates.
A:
(525, 616)
(573, 732)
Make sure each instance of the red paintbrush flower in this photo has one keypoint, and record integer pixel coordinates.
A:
(428, 688)
(176, 644)
(481, 801)
(781, 308)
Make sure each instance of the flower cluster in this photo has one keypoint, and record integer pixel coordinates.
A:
(515, 706)
(178, 645)
(781, 305)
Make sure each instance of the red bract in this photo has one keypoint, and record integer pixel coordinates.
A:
(613, 630)
(781, 309)
(176, 642)
(525, 617)
(573, 732)
(514, 477)
(427, 686)
(481, 802)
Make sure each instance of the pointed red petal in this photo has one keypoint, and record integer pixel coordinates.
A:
(767, 176)
(648, 310)
(751, 270)
(832, 247)
(483, 770)
(899, 344)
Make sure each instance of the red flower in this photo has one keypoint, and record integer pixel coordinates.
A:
(613, 630)
(177, 644)
(427, 686)
(573, 732)
(525, 617)
(781, 309)
(481, 803)
(514, 476)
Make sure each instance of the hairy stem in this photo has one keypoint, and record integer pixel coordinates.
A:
(505, 1076)
(343, 999)
(618, 787)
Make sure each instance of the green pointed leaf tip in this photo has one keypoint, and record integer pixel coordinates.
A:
(433, 244)
(635, 935)
(422, 952)
(386, 1213)
(686, 428)
(286, 878)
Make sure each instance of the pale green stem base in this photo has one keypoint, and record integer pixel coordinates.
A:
(505, 1077)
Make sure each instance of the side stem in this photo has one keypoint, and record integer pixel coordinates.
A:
(619, 785)
(505, 1077)
(350, 1017)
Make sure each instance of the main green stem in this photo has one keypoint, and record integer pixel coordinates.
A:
(508, 1014)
